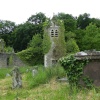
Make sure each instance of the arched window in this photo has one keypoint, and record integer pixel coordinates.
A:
(52, 33)
(56, 33)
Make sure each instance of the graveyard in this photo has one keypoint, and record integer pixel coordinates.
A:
(52, 64)
(46, 90)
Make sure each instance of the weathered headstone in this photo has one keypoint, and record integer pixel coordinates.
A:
(7, 75)
(17, 79)
(34, 72)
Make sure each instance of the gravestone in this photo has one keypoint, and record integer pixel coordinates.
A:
(16, 78)
(34, 72)
(92, 69)
(7, 75)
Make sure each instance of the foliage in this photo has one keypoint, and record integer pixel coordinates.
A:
(52, 90)
(2, 45)
(46, 43)
(6, 29)
(69, 21)
(39, 18)
(80, 33)
(96, 21)
(71, 46)
(22, 35)
(9, 49)
(60, 44)
(70, 35)
(91, 38)
(88, 82)
(3, 72)
(18, 36)
(83, 21)
(26, 55)
(33, 54)
(44, 75)
(74, 68)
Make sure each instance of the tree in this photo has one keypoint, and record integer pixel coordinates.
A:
(71, 45)
(33, 54)
(91, 40)
(6, 26)
(96, 21)
(6, 29)
(79, 37)
(22, 35)
(83, 21)
(69, 21)
(39, 18)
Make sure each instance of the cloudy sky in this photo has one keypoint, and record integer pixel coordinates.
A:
(19, 11)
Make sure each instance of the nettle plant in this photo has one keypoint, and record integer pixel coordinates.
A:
(74, 68)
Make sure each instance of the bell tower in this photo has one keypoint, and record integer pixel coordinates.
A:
(50, 58)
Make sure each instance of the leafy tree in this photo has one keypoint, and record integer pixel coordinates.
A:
(69, 35)
(33, 54)
(69, 21)
(6, 26)
(6, 29)
(71, 45)
(96, 21)
(83, 20)
(39, 18)
(91, 40)
(22, 35)
(24, 32)
(79, 37)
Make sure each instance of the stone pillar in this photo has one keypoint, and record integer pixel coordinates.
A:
(16, 78)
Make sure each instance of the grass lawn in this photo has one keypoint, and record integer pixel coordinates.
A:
(52, 90)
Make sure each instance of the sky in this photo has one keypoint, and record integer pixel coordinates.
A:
(19, 11)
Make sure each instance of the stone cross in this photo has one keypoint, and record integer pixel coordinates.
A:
(16, 78)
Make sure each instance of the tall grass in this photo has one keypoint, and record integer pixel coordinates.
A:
(51, 91)
(3, 72)
(44, 75)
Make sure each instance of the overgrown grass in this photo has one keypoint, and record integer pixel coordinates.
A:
(44, 75)
(3, 72)
(51, 90)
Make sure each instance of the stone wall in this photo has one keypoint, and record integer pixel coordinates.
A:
(9, 60)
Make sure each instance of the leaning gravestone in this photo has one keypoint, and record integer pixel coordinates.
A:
(16, 78)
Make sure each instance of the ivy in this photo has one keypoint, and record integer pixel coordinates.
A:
(46, 43)
(74, 68)
(88, 82)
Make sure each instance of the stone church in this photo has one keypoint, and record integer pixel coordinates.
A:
(50, 58)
